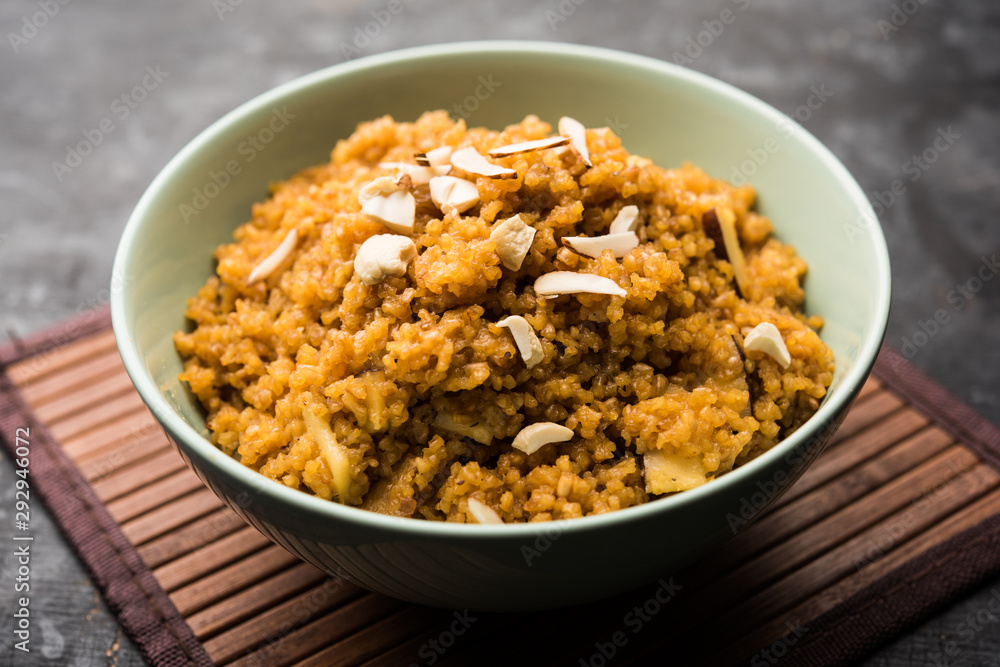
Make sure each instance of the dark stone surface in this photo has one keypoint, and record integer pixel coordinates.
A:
(895, 89)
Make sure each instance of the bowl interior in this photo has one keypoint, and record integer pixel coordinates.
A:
(661, 111)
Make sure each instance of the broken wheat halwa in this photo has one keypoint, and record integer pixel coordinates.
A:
(559, 332)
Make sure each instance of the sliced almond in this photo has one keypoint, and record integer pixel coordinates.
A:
(727, 222)
(577, 134)
(435, 158)
(383, 255)
(527, 340)
(568, 282)
(384, 201)
(453, 194)
(528, 146)
(418, 174)
(592, 246)
(482, 512)
(766, 338)
(383, 185)
(267, 265)
(334, 454)
(534, 437)
(468, 159)
(512, 239)
(627, 220)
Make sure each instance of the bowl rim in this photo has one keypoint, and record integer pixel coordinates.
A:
(187, 437)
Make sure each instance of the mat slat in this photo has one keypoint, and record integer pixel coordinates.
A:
(368, 642)
(257, 598)
(320, 633)
(210, 558)
(85, 372)
(192, 536)
(131, 477)
(96, 395)
(172, 515)
(124, 430)
(107, 463)
(231, 579)
(81, 423)
(276, 624)
(153, 495)
(60, 359)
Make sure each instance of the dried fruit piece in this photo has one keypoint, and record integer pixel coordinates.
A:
(527, 340)
(267, 265)
(482, 512)
(418, 174)
(593, 246)
(453, 194)
(766, 338)
(468, 159)
(568, 282)
(512, 239)
(710, 221)
(384, 201)
(577, 134)
(528, 146)
(668, 473)
(463, 424)
(383, 255)
(627, 220)
(534, 437)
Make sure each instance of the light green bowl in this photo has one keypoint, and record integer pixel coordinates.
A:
(661, 111)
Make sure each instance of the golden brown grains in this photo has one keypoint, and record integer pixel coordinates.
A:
(403, 397)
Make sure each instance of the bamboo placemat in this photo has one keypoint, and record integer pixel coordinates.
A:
(899, 516)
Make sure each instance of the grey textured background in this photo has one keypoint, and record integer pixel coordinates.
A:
(894, 86)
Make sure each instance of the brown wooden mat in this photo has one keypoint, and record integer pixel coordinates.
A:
(898, 517)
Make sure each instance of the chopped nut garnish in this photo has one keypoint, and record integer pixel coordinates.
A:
(274, 260)
(383, 255)
(512, 239)
(668, 473)
(527, 340)
(482, 512)
(577, 134)
(731, 242)
(453, 194)
(528, 146)
(766, 338)
(592, 246)
(332, 452)
(418, 174)
(534, 437)
(568, 282)
(627, 220)
(383, 200)
(435, 158)
(468, 159)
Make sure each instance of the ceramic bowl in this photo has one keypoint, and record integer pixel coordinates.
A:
(661, 111)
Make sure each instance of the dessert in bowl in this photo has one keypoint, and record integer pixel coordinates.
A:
(664, 115)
